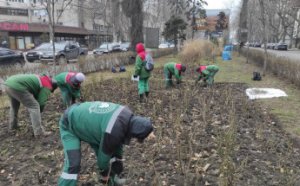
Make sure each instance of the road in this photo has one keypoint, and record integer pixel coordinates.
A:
(293, 54)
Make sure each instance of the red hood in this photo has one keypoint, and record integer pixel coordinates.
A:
(202, 68)
(45, 81)
(178, 66)
(140, 49)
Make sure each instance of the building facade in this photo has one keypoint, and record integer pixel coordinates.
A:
(24, 24)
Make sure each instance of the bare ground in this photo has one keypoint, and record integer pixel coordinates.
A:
(204, 136)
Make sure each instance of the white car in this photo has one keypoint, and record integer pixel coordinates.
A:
(166, 45)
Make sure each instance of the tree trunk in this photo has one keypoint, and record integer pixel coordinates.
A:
(134, 10)
(50, 10)
(136, 18)
(263, 20)
(115, 20)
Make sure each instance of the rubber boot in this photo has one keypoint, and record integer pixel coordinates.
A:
(147, 94)
(141, 98)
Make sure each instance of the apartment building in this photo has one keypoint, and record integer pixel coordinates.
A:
(24, 23)
(205, 26)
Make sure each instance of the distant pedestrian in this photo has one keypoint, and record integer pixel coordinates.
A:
(32, 91)
(207, 73)
(140, 70)
(69, 84)
(175, 69)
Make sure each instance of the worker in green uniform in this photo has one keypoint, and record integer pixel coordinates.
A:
(106, 127)
(171, 69)
(207, 73)
(69, 84)
(32, 91)
(141, 72)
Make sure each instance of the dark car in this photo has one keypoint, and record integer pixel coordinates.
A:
(11, 57)
(35, 54)
(107, 48)
(281, 46)
(64, 52)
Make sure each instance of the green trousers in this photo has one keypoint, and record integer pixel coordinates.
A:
(143, 85)
(66, 97)
(168, 78)
(212, 72)
(71, 145)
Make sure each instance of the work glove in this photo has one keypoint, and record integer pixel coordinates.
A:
(113, 181)
(119, 181)
(117, 167)
(73, 100)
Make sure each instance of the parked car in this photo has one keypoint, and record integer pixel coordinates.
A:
(64, 52)
(107, 48)
(125, 46)
(35, 54)
(270, 45)
(11, 57)
(166, 45)
(257, 44)
(281, 46)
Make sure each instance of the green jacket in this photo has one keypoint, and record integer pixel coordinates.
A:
(101, 124)
(140, 62)
(65, 86)
(171, 68)
(33, 84)
(210, 71)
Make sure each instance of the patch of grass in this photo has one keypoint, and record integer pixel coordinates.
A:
(286, 109)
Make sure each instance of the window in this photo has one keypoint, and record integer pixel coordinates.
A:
(13, 11)
(20, 42)
(72, 47)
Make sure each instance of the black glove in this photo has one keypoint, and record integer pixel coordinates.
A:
(81, 99)
(135, 76)
(117, 167)
(73, 100)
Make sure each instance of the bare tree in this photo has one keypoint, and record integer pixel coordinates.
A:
(251, 5)
(51, 6)
(134, 10)
(263, 22)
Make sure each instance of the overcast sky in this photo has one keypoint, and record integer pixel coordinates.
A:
(220, 4)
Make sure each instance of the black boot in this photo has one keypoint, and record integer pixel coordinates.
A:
(141, 98)
(147, 94)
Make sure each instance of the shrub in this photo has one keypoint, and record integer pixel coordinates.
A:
(86, 64)
(196, 50)
(283, 67)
